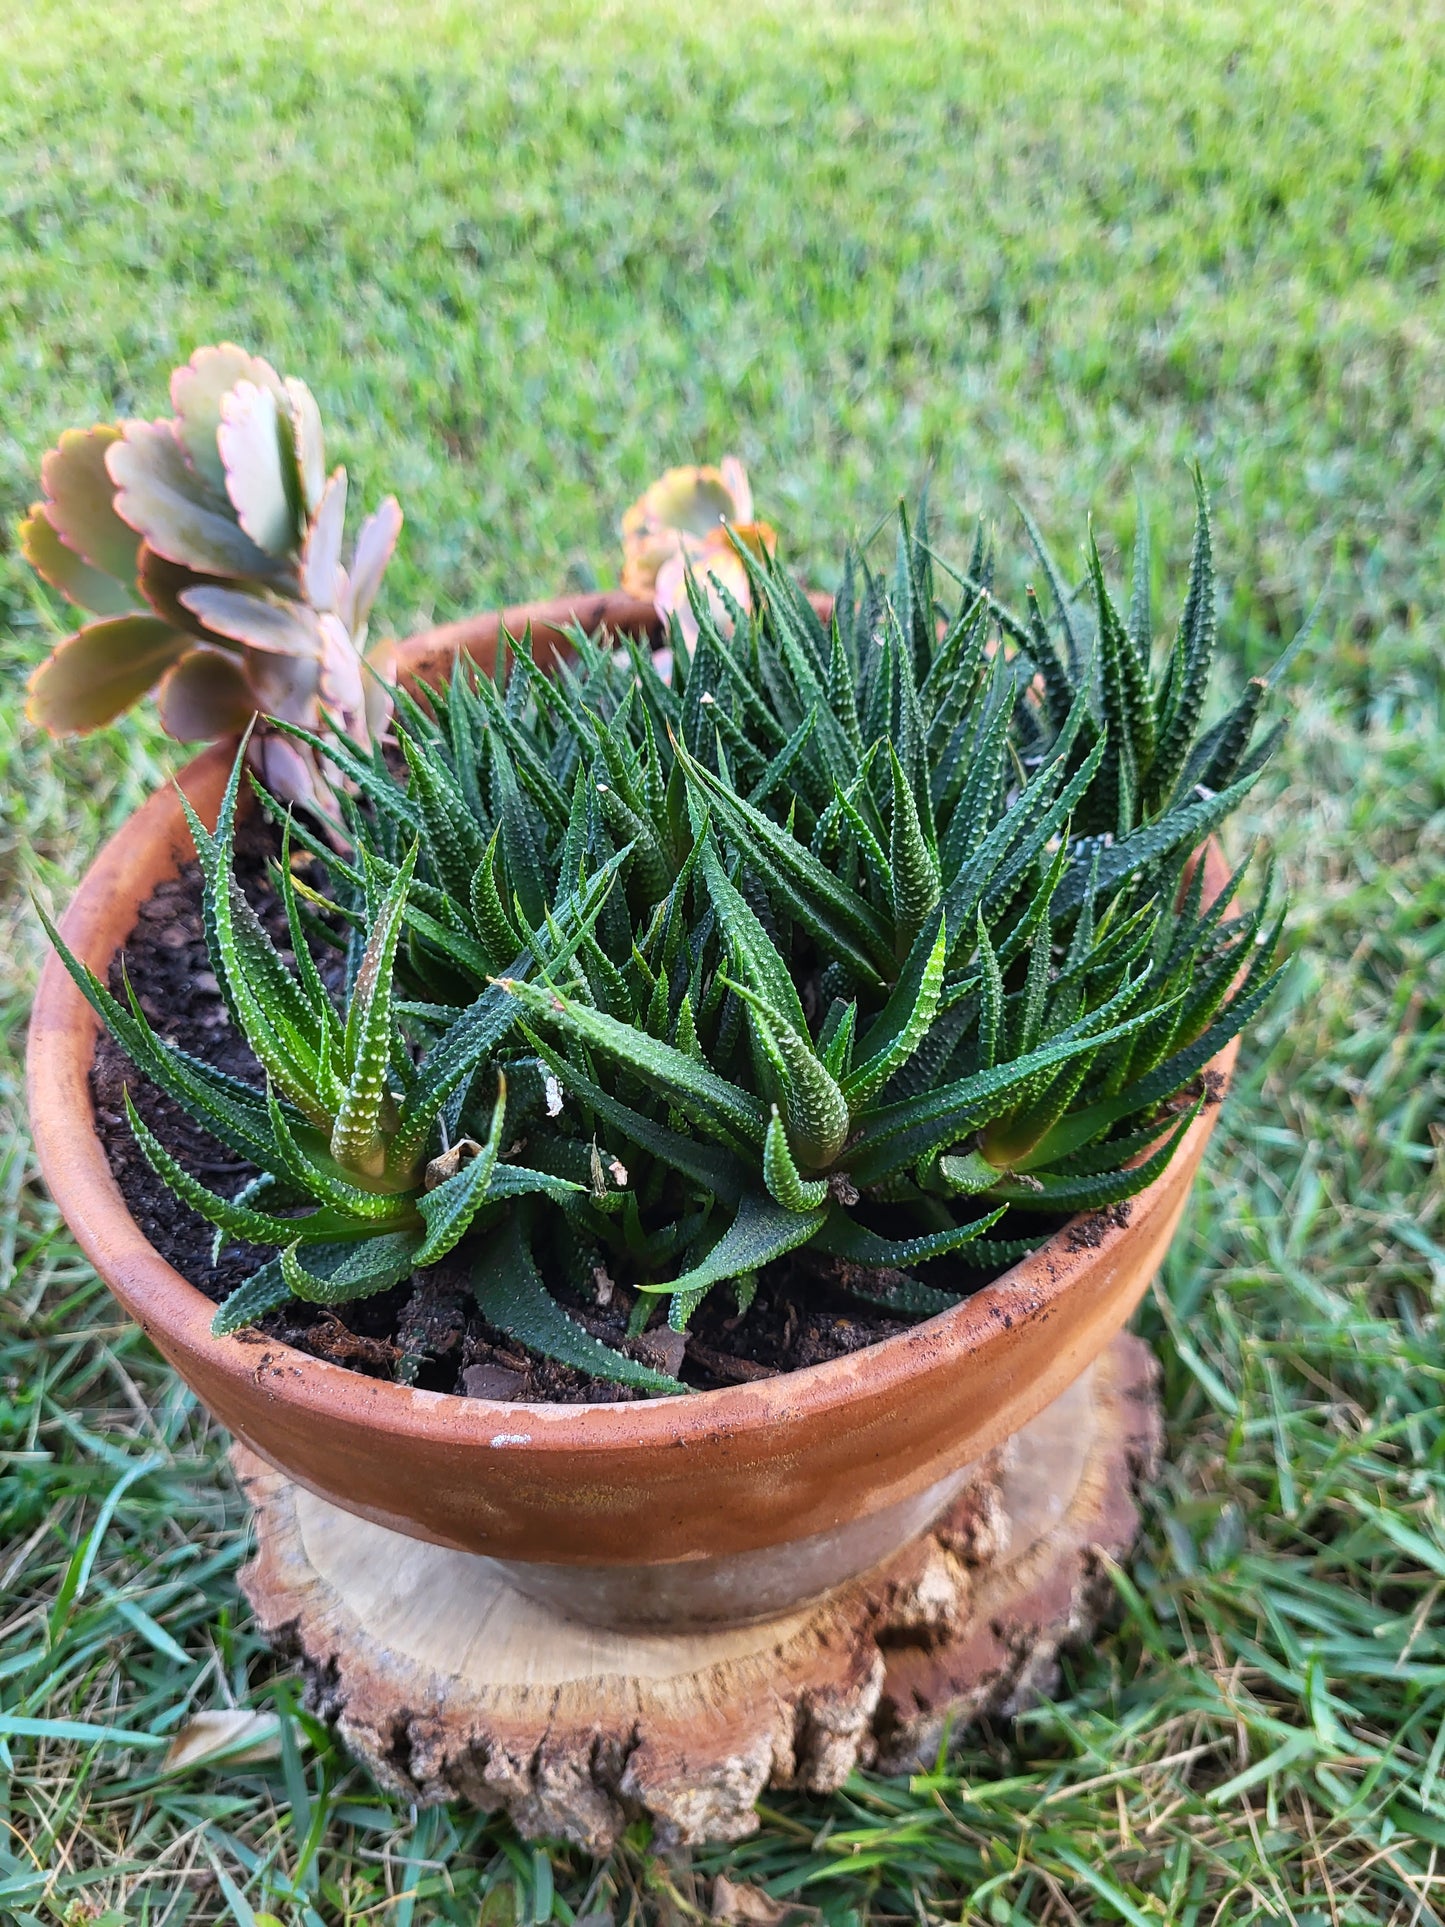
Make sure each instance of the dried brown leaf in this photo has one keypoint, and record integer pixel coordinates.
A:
(232, 1735)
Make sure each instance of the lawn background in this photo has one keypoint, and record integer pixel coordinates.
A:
(526, 262)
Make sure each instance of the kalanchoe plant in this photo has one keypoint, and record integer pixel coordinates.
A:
(693, 519)
(209, 548)
(866, 949)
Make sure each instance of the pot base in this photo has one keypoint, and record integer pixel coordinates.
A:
(451, 1683)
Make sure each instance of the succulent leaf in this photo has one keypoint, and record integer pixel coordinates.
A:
(79, 501)
(259, 621)
(309, 441)
(204, 696)
(845, 1238)
(163, 499)
(512, 1297)
(197, 391)
(448, 1210)
(257, 453)
(221, 520)
(762, 1231)
(337, 1274)
(781, 1175)
(356, 1134)
(375, 542)
(96, 674)
(65, 569)
(265, 1290)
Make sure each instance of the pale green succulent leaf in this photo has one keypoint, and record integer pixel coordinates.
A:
(80, 501)
(254, 441)
(163, 499)
(272, 624)
(197, 390)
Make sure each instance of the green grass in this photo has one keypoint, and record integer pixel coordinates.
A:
(527, 260)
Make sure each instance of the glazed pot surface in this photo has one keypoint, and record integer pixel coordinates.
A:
(708, 1477)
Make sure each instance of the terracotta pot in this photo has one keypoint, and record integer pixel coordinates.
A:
(715, 1507)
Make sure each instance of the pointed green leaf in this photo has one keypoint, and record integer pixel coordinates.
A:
(514, 1301)
(706, 1099)
(782, 1176)
(239, 1220)
(356, 1139)
(762, 1231)
(449, 1209)
(263, 1291)
(337, 1274)
(843, 1238)
(905, 1019)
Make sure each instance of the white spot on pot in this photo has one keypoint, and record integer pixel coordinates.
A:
(512, 1438)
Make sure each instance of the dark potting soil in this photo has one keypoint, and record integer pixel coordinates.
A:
(429, 1330)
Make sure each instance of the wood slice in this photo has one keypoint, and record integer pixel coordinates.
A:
(451, 1684)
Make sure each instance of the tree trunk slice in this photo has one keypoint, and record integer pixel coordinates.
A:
(450, 1684)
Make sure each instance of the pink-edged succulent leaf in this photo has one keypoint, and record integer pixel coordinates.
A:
(321, 558)
(162, 498)
(714, 561)
(79, 500)
(261, 622)
(204, 696)
(378, 681)
(258, 455)
(310, 444)
(375, 545)
(101, 670)
(290, 772)
(286, 686)
(343, 689)
(162, 582)
(63, 569)
(735, 481)
(196, 392)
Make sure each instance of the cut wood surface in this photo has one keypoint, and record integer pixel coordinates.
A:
(449, 1683)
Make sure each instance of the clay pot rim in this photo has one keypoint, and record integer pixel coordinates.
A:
(77, 1173)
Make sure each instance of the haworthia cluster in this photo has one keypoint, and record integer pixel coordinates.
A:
(871, 937)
